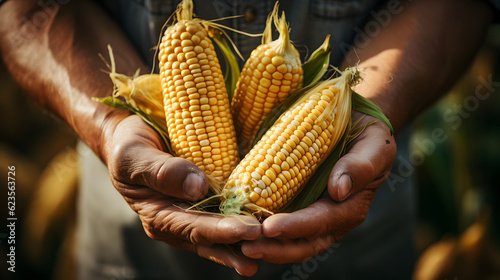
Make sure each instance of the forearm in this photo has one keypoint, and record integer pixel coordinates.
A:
(419, 55)
(56, 60)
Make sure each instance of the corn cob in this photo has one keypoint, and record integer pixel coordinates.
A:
(272, 72)
(199, 120)
(140, 92)
(279, 165)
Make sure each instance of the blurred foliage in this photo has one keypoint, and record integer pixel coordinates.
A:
(456, 172)
(35, 142)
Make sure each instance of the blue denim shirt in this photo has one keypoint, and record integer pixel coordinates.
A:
(309, 21)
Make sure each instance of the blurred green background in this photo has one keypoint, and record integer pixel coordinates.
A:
(459, 194)
(456, 151)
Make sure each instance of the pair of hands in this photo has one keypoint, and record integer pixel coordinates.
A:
(156, 185)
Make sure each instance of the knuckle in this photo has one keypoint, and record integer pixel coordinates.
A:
(360, 217)
(195, 237)
(310, 253)
(150, 231)
(169, 168)
(119, 160)
(153, 223)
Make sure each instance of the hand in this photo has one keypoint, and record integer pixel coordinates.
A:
(298, 236)
(153, 182)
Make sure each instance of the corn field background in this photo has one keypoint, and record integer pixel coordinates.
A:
(455, 156)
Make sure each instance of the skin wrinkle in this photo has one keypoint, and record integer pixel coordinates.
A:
(187, 228)
(200, 238)
(119, 163)
(380, 179)
(161, 221)
(349, 220)
(215, 253)
(162, 171)
(326, 227)
(105, 132)
(233, 232)
(195, 236)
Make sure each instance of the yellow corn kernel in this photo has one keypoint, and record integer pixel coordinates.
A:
(272, 72)
(274, 181)
(195, 97)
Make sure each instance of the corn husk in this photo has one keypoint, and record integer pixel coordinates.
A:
(317, 64)
(139, 94)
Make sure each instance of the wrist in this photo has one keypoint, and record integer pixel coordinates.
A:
(97, 129)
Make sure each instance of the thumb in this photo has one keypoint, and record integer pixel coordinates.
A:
(177, 177)
(136, 160)
(367, 164)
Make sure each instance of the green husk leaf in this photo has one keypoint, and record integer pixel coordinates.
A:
(112, 102)
(317, 65)
(232, 70)
(154, 122)
(365, 106)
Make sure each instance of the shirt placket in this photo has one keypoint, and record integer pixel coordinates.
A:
(252, 20)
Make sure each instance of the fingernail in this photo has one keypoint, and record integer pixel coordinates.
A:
(238, 271)
(345, 186)
(193, 185)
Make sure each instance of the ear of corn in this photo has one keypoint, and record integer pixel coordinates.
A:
(143, 93)
(278, 166)
(140, 95)
(318, 182)
(314, 69)
(197, 110)
(272, 72)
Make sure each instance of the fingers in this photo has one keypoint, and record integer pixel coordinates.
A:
(297, 236)
(205, 235)
(149, 179)
(282, 251)
(209, 235)
(135, 158)
(225, 230)
(164, 219)
(225, 256)
(322, 218)
(367, 163)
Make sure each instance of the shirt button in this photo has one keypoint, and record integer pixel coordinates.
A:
(250, 15)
